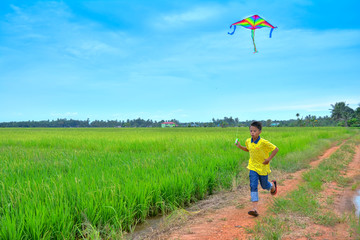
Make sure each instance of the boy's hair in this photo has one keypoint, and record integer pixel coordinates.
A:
(256, 124)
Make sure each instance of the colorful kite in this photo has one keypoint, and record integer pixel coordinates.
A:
(253, 22)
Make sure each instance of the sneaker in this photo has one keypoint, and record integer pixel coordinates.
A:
(253, 213)
(274, 192)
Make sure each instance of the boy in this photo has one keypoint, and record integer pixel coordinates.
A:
(259, 166)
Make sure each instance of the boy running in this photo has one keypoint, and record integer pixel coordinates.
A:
(259, 163)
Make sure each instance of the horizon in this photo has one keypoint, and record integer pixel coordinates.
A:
(166, 120)
(175, 60)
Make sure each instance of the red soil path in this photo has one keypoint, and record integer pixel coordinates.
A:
(343, 205)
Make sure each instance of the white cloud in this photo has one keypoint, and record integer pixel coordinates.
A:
(90, 48)
(317, 105)
(64, 115)
(315, 40)
(298, 107)
(191, 16)
(51, 28)
(155, 115)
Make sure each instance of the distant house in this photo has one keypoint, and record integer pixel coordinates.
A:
(168, 124)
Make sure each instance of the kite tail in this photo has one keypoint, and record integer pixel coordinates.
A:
(253, 38)
(271, 30)
(232, 31)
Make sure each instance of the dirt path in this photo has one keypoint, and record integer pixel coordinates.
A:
(232, 221)
(343, 206)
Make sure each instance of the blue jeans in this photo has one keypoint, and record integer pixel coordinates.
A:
(254, 182)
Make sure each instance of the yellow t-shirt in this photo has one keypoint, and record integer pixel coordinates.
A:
(259, 151)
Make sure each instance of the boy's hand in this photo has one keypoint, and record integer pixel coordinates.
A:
(239, 146)
(266, 161)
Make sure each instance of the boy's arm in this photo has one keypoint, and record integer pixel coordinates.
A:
(241, 147)
(271, 156)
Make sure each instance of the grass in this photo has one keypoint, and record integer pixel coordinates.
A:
(91, 183)
(271, 228)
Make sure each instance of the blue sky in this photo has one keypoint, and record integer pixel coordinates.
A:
(161, 60)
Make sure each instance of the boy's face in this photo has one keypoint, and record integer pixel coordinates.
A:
(254, 132)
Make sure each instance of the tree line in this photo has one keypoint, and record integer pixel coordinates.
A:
(71, 123)
(341, 115)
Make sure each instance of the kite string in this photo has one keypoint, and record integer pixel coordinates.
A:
(237, 132)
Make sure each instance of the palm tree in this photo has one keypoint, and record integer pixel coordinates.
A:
(299, 121)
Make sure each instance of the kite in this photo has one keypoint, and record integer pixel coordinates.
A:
(253, 22)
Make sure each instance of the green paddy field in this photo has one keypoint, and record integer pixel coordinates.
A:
(67, 183)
